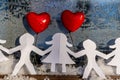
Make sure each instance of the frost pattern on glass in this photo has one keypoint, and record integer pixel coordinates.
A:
(102, 23)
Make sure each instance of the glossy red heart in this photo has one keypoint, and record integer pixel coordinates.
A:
(72, 21)
(38, 22)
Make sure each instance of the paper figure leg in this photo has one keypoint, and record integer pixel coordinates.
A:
(63, 68)
(87, 72)
(118, 70)
(99, 72)
(17, 68)
(52, 67)
(30, 67)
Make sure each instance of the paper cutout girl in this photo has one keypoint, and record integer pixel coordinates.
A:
(91, 53)
(58, 52)
(26, 46)
(116, 53)
(2, 57)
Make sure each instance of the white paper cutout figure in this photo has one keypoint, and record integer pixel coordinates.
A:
(2, 57)
(58, 52)
(116, 53)
(26, 46)
(91, 53)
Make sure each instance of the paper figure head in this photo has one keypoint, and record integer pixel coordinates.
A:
(117, 43)
(27, 39)
(59, 36)
(89, 44)
(2, 41)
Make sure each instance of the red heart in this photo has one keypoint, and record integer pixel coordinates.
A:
(38, 22)
(72, 21)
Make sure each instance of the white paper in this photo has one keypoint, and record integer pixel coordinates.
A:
(2, 57)
(58, 52)
(2, 41)
(91, 53)
(25, 47)
(116, 53)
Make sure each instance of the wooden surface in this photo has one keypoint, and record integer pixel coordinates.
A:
(115, 77)
(52, 77)
(62, 77)
(56, 77)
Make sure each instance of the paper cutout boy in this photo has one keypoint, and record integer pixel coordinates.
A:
(116, 53)
(2, 57)
(91, 53)
(26, 46)
(58, 52)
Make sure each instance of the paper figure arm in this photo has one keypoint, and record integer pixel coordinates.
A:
(69, 45)
(2, 41)
(4, 49)
(48, 50)
(71, 52)
(49, 42)
(15, 49)
(110, 55)
(37, 50)
(80, 53)
(100, 54)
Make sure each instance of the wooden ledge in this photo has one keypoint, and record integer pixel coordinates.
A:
(52, 77)
(62, 77)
